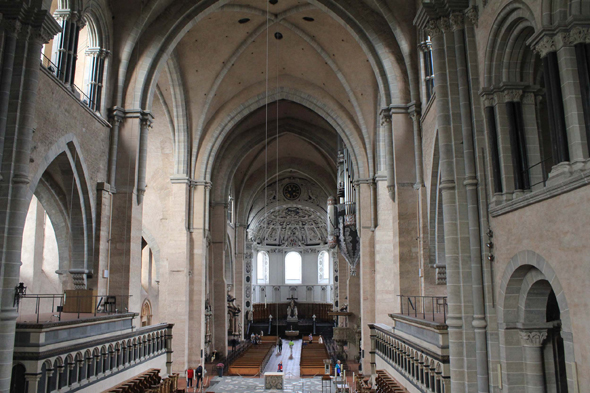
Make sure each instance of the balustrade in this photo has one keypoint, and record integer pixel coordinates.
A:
(421, 367)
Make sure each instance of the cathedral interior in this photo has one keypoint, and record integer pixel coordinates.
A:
(379, 195)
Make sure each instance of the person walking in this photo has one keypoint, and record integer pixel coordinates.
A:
(199, 375)
(338, 368)
(280, 345)
(189, 378)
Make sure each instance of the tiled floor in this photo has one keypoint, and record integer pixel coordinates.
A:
(247, 385)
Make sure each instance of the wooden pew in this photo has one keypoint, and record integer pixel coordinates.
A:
(312, 359)
(253, 360)
(147, 382)
(387, 384)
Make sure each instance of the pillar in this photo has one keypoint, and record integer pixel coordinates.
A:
(363, 296)
(532, 341)
(219, 287)
(176, 274)
(33, 382)
(126, 224)
(37, 26)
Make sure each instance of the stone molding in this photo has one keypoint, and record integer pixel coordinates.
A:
(533, 338)
(577, 180)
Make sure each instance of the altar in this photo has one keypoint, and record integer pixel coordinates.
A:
(273, 381)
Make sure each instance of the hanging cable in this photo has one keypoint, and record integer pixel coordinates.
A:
(266, 134)
(277, 120)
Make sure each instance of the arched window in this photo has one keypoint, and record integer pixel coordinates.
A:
(262, 268)
(293, 268)
(323, 268)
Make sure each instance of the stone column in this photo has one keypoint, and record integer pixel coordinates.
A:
(116, 117)
(127, 218)
(532, 340)
(66, 45)
(37, 27)
(11, 29)
(146, 123)
(364, 294)
(32, 382)
(572, 100)
(387, 131)
(176, 274)
(240, 281)
(219, 287)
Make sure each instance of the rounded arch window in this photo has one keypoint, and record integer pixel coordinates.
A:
(262, 268)
(293, 268)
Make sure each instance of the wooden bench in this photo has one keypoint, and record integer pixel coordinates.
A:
(312, 359)
(252, 361)
(138, 384)
(387, 384)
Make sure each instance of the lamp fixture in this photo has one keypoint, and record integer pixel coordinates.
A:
(20, 291)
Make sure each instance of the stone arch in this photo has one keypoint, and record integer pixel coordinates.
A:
(72, 209)
(333, 115)
(505, 34)
(526, 286)
(235, 155)
(516, 271)
(17, 380)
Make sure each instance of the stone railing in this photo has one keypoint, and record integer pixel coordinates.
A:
(72, 355)
(414, 352)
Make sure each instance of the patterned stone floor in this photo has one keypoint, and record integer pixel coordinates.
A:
(247, 385)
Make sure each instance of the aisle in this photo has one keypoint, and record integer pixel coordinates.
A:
(290, 366)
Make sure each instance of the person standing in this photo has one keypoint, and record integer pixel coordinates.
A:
(338, 368)
(199, 375)
(280, 344)
(189, 378)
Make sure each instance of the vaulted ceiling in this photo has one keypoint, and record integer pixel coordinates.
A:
(328, 75)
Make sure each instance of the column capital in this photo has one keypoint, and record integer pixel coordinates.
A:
(33, 377)
(512, 95)
(553, 38)
(528, 98)
(385, 116)
(432, 29)
(444, 24)
(533, 338)
(457, 21)
(488, 99)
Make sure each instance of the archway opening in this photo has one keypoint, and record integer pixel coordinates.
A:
(40, 271)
